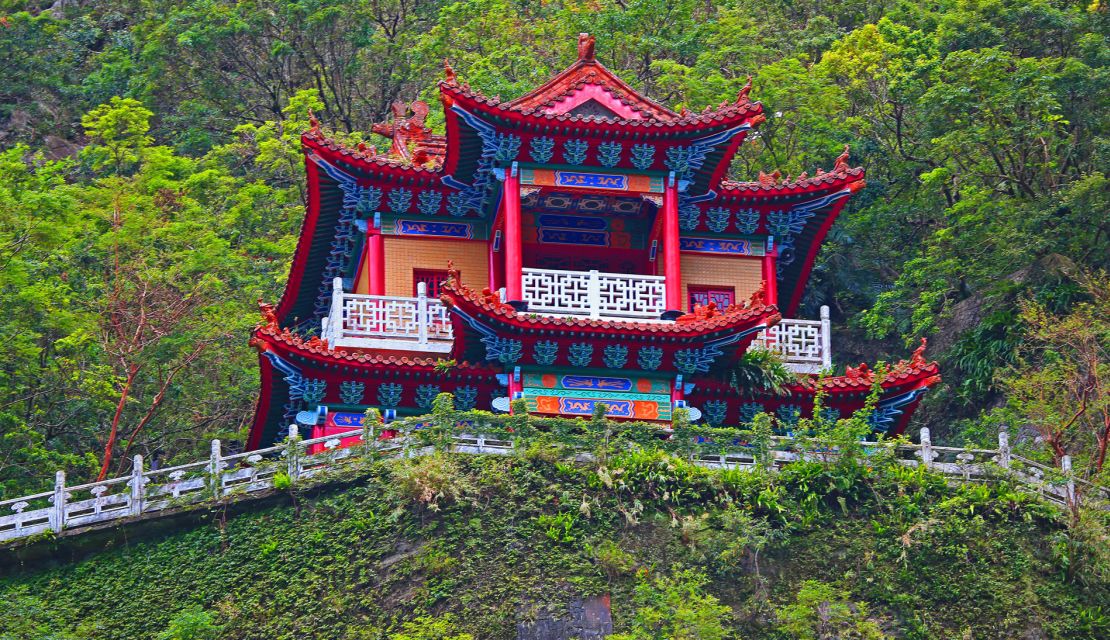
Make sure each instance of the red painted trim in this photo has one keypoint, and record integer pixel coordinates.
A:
(672, 259)
(595, 92)
(262, 408)
(375, 248)
(304, 245)
(514, 256)
(770, 277)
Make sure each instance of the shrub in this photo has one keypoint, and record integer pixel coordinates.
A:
(676, 607)
(430, 480)
(193, 623)
(822, 611)
(429, 628)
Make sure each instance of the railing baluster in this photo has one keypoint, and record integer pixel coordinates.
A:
(215, 466)
(137, 485)
(58, 513)
(422, 313)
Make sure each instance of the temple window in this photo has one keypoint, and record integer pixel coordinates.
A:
(433, 278)
(704, 294)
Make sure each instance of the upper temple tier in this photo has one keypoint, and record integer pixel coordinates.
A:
(599, 255)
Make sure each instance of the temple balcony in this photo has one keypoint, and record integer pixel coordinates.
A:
(594, 294)
(421, 323)
(388, 323)
(804, 345)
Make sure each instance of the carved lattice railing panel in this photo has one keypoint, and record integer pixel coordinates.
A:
(805, 345)
(594, 293)
(358, 316)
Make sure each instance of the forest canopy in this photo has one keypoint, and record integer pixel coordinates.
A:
(151, 188)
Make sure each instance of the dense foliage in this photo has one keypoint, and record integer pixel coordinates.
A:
(151, 188)
(455, 546)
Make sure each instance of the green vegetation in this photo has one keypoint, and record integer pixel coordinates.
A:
(151, 190)
(151, 182)
(449, 545)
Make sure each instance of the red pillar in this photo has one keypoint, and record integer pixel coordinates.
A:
(672, 261)
(514, 255)
(375, 249)
(770, 276)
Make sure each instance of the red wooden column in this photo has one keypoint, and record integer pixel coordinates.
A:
(770, 274)
(375, 252)
(672, 261)
(514, 253)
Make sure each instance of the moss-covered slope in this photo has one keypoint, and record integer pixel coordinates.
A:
(487, 542)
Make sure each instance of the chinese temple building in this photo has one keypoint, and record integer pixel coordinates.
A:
(577, 245)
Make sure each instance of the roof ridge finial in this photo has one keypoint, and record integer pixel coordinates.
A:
(742, 97)
(449, 73)
(313, 123)
(841, 163)
(586, 44)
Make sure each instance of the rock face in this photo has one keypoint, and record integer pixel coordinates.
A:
(586, 619)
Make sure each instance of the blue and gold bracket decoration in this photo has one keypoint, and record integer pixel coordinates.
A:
(496, 148)
(358, 201)
(723, 246)
(888, 410)
(784, 225)
(294, 379)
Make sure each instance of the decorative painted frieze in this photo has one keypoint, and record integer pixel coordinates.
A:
(649, 358)
(544, 352)
(581, 354)
(428, 202)
(615, 356)
(574, 151)
(541, 149)
(609, 153)
(351, 392)
(389, 394)
(643, 156)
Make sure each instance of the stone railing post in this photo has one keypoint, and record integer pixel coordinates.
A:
(335, 316)
(422, 313)
(1004, 449)
(1069, 488)
(593, 294)
(58, 513)
(293, 452)
(215, 466)
(137, 485)
(926, 448)
(826, 338)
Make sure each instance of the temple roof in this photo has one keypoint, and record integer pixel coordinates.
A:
(587, 85)
(488, 305)
(267, 336)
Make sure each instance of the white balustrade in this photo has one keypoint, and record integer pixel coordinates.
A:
(387, 322)
(594, 294)
(150, 492)
(805, 345)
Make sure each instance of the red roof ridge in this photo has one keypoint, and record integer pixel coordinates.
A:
(803, 181)
(727, 112)
(367, 154)
(587, 71)
(774, 182)
(916, 369)
(315, 346)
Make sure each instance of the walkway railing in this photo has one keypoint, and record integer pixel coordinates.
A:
(238, 476)
(595, 294)
(387, 322)
(805, 345)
